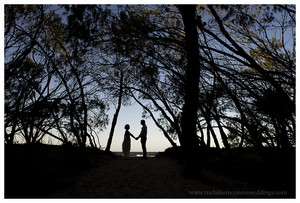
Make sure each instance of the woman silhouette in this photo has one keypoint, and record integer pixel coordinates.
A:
(126, 142)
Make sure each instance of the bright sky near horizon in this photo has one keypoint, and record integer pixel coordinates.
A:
(132, 115)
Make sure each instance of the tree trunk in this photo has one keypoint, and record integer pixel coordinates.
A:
(207, 136)
(189, 139)
(241, 52)
(115, 118)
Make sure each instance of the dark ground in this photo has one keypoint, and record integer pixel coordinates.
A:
(39, 170)
(44, 171)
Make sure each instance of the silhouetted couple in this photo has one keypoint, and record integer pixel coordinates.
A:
(143, 136)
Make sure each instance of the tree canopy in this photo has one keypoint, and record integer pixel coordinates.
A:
(203, 73)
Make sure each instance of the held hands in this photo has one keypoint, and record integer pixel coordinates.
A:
(136, 138)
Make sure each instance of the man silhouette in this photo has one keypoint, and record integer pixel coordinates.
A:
(143, 136)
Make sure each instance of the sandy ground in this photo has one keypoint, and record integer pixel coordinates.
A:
(151, 178)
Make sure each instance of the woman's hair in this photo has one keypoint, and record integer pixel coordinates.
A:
(127, 127)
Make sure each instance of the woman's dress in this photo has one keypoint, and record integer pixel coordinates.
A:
(126, 144)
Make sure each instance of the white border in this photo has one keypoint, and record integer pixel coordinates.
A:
(128, 2)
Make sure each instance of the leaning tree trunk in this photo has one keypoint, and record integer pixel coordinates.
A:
(115, 118)
(189, 139)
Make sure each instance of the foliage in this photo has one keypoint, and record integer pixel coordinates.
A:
(47, 90)
(64, 63)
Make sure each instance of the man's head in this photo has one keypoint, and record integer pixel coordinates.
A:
(143, 122)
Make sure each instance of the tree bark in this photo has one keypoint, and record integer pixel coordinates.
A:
(115, 118)
(189, 140)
